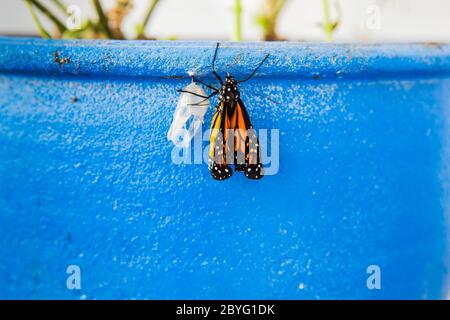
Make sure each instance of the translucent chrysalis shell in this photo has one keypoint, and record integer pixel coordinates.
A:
(188, 116)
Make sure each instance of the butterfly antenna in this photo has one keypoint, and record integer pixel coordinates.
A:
(214, 65)
(256, 69)
(205, 84)
(215, 57)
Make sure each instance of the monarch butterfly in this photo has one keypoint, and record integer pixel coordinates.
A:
(233, 139)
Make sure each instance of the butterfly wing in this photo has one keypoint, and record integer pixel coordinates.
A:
(247, 152)
(218, 166)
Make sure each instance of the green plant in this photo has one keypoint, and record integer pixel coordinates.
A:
(108, 24)
(44, 34)
(102, 19)
(60, 6)
(237, 20)
(140, 28)
(268, 18)
(46, 12)
(328, 26)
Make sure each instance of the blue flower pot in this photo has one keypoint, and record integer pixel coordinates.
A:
(358, 209)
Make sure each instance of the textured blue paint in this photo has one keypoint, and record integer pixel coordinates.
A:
(364, 173)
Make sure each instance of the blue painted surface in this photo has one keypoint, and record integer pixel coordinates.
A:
(363, 179)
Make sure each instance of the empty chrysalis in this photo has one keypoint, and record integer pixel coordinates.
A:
(188, 115)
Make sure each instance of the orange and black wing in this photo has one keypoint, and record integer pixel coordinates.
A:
(247, 152)
(218, 148)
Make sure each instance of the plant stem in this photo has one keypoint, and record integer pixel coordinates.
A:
(141, 27)
(44, 34)
(102, 19)
(280, 5)
(270, 17)
(238, 19)
(60, 5)
(327, 23)
(45, 11)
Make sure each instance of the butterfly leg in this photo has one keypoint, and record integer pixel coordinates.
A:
(201, 101)
(205, 84)
(193, 93)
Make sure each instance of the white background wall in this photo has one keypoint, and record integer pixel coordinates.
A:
(399, 20)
